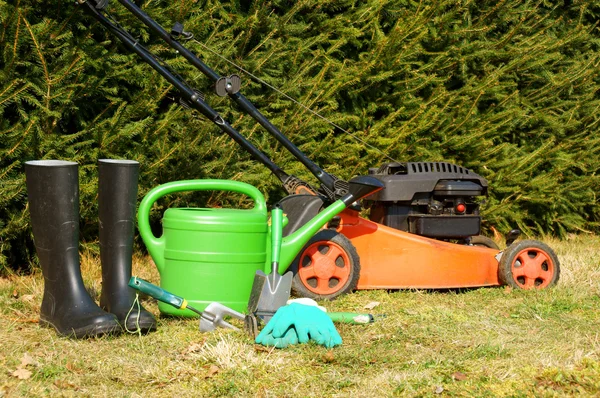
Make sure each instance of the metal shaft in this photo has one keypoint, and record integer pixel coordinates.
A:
(187, 92)
(238, 98)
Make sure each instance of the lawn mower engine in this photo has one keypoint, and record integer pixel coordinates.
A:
(433, 199)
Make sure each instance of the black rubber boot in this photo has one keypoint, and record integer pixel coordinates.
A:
(117, 197)
(53, 195)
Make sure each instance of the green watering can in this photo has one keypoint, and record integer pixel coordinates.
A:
(212, 254)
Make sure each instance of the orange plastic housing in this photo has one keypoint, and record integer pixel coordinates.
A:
(394, 259)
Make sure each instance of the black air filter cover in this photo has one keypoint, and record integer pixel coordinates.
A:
(404, 180)
(457, 188)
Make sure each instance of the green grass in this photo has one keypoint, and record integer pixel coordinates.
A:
(472, 342)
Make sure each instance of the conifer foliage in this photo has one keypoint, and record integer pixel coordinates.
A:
(507, 88)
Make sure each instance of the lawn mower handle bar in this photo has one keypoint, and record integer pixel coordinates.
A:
(189, 94)
(326, 179)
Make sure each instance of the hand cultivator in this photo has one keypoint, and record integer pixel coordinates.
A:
(422, 230)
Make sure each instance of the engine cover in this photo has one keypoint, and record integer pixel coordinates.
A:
(433, 199)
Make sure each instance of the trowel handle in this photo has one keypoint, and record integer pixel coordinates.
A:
(157, 292)
(351, 317)
(276, 234)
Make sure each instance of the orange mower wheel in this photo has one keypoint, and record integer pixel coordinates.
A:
(327, 267)
(529, 264)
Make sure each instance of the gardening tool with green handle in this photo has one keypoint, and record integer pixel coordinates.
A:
(270, 292)
(212, 317)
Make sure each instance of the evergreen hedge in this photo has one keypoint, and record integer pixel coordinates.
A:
(507, 88)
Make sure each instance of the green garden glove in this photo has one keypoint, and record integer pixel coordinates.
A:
(267, 339)
(309, 323)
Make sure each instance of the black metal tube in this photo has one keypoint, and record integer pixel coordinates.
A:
(189, 94)
(324, 177)
(238, 98)
(158, 29)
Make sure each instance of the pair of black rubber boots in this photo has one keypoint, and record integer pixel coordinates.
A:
(53, 195)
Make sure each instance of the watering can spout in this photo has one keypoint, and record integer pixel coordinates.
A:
(291, 245)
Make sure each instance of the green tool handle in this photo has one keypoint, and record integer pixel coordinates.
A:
(351, 317)
(157, 293)
(276, 234)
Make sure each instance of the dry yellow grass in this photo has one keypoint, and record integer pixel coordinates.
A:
(474, 342)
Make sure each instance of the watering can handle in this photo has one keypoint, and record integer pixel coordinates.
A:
(156, 245)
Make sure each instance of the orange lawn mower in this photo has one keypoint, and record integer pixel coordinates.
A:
(422, 230)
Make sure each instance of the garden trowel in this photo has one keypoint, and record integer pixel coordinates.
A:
(270, 292)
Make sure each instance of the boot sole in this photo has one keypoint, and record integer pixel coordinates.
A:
(84, 332)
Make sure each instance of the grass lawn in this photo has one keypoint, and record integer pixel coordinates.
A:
(474, 342)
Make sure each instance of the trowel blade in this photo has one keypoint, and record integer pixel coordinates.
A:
(260, 279)
(273, 292)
